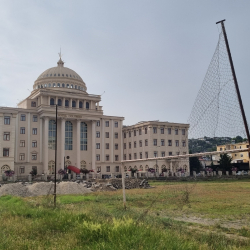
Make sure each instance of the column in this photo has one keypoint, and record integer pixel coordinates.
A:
(77, 103)
(56, 100)
(112, 142)
(62, 149)
(70, 102)
(45, 145)
(102, 139)
(41, 140)
(48, 100)
(93, 145)
(63, 102)
(28, 142)
(78, 147)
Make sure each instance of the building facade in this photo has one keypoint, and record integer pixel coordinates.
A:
(153, 139)
(86, 137)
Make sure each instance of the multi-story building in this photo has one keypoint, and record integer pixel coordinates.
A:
(237, 157)
(153, 139)
(86, 137)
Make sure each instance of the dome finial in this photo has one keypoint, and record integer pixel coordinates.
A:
(60, 62)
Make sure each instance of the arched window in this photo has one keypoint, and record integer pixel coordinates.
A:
(141, 168)
(52, 134)
(67, 85)
(80, 105)
(39, 86)
(49, 85)
(54, 85)
(66, 103)
(67, 163)
(52, 101)
(4, 168)
(58, 85)
(73, 104)
(83, 165)
(71, 86)
(75, 86)
(63, 85)
(84, 136)
(45, 85)
(59, 102)
(51, 167)
(68, 135)
(87, 105)
(79, 87)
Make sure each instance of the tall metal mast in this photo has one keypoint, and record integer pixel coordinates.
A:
(235, 81)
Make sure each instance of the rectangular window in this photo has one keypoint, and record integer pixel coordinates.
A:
(33, 157)
(140, 155)
(140, 131)
(98, 157)
(97, 145)
(98, 124)
(34, 118)
(170, 153)
(134, 144)
(116, 124)
(98, 169)
(134, 132)
(155, 154)
(97, 134)
(176, 131)
(162, 154)
(6, 136)
(124, 145)
(169, 131)
(107, 157)
(146, 142)
(129, 134)
(107, 146)
(129, 156)
(33, 104)
(146, 130)
(116, 146)
(107, 123)
(22, 143)
(183, 131)
(107, 168)
(169, 142)
(162, 130)
(22, 170)
(34, 144)
(177, 143)
(135, 156)
(124, 135)
(146, 154)
(140, 143)
(177, 153)
(107, 134)
(125, 157)
(116, 135)
(117, 169)
(22, 157)
(116, 158)
(183, 143)
(162, 142)
(7, 120)
(6, 151)
(34, 131)
(23, 117)
(155, 142)
(129, 145)
(83, 136)
(155, 130)
(22, 130)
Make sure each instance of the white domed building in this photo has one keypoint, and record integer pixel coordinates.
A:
(86, 137)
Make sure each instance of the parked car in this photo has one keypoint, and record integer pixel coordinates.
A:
(242, 173)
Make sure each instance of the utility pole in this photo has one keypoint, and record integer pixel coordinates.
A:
(235, 83)
(55, 161)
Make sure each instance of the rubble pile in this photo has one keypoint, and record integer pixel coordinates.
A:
(130, 183)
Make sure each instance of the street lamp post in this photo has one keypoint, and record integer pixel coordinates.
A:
(55, 160)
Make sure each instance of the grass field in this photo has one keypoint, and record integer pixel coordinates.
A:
(205, 215)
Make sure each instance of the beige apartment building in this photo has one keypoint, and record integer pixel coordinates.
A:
(153, 139)
(86, 137)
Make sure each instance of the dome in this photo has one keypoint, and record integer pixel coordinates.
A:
(60, 76)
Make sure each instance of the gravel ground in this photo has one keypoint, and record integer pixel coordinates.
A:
(42, 188)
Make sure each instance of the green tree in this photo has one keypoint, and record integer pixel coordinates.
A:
(238, 139)
(225, 162)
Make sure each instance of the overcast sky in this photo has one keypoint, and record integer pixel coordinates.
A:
(150, 57)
